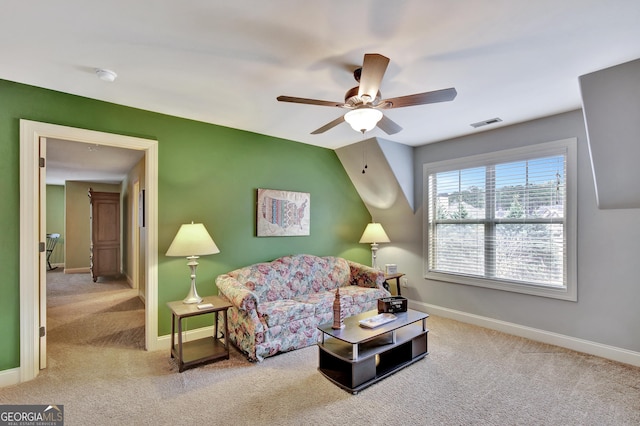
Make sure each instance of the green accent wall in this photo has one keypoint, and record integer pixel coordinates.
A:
(206, 173)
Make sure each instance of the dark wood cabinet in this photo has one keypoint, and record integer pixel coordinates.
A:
(105, 233)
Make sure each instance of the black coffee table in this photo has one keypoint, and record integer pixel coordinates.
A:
(355, 357)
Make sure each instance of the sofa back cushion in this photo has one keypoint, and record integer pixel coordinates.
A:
(292, 276)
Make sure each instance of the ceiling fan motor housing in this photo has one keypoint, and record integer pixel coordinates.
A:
(352, 99)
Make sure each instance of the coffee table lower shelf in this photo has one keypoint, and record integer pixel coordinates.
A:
(376, 358)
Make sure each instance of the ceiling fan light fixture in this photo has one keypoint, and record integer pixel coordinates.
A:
(363, 119)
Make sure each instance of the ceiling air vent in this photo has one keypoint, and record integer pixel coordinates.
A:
(486, 122)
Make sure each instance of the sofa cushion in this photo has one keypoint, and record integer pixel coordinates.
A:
(292, 276)
(357, 295)
(323, 302)
(284, 311)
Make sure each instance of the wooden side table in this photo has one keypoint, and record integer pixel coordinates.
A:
(201, 350)
(394, 277)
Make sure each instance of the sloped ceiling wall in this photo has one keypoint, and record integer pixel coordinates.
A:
(611, 107)
(387, 184)
(381, 171)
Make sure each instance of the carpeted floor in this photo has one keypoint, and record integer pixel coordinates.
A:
(472, 376)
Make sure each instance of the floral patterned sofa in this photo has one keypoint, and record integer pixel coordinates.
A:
(278, 305)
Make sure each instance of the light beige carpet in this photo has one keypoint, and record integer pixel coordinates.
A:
(472, 376)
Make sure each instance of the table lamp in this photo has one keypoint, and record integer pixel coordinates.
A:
(192, 241)
(374, 234)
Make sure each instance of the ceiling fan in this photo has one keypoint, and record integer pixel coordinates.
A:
(365, 101)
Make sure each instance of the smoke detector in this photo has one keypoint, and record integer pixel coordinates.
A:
(106, 75)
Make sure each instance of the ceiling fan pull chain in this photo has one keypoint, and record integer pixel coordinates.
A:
(364, 156)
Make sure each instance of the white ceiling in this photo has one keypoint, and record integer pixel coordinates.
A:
(226, 62)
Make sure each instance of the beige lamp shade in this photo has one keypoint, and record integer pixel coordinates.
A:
(374, 233)
(192, 239)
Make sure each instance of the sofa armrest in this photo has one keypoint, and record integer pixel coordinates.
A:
(365, 276)
(239, 295)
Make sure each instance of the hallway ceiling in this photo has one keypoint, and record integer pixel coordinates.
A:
(85, 162)
(226, 62)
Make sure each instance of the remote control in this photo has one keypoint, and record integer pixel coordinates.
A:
(205, 305)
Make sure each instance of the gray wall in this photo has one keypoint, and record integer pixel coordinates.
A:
(607, 309)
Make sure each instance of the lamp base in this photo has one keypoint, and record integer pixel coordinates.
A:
(374, 256)
(190, 299)
(193, 296)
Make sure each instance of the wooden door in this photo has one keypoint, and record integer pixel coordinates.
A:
(105, 233)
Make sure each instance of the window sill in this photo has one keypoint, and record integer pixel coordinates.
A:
(563, 293)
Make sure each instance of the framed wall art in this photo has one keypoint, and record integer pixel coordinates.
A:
(283, 213)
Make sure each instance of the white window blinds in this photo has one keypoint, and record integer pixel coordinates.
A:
(501, 217)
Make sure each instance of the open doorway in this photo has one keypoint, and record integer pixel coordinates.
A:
(32, 265)
(85, 269)
(74, 168)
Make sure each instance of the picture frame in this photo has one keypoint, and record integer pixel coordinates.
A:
(390, 268)
(282, 213)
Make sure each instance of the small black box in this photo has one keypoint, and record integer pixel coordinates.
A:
(392, 304)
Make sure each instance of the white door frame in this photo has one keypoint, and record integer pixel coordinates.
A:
(30, 134)
(42, 235)
(135, 234)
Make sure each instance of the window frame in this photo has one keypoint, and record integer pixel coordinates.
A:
(566, 147)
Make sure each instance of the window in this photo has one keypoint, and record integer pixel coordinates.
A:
(504, 220)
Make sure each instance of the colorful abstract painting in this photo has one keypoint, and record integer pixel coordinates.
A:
(283, 213)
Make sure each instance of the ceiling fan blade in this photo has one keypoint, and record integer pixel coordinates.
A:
(309, 101)
(328, 126)
(388, 126)
(443, 95)
(373, 69)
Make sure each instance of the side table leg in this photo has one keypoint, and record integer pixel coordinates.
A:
(215, 330)
(226, 331)
(180, 359)
(173, 332)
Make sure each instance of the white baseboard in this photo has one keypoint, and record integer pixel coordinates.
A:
(9, 377)
(77, 270)
(580, 345)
